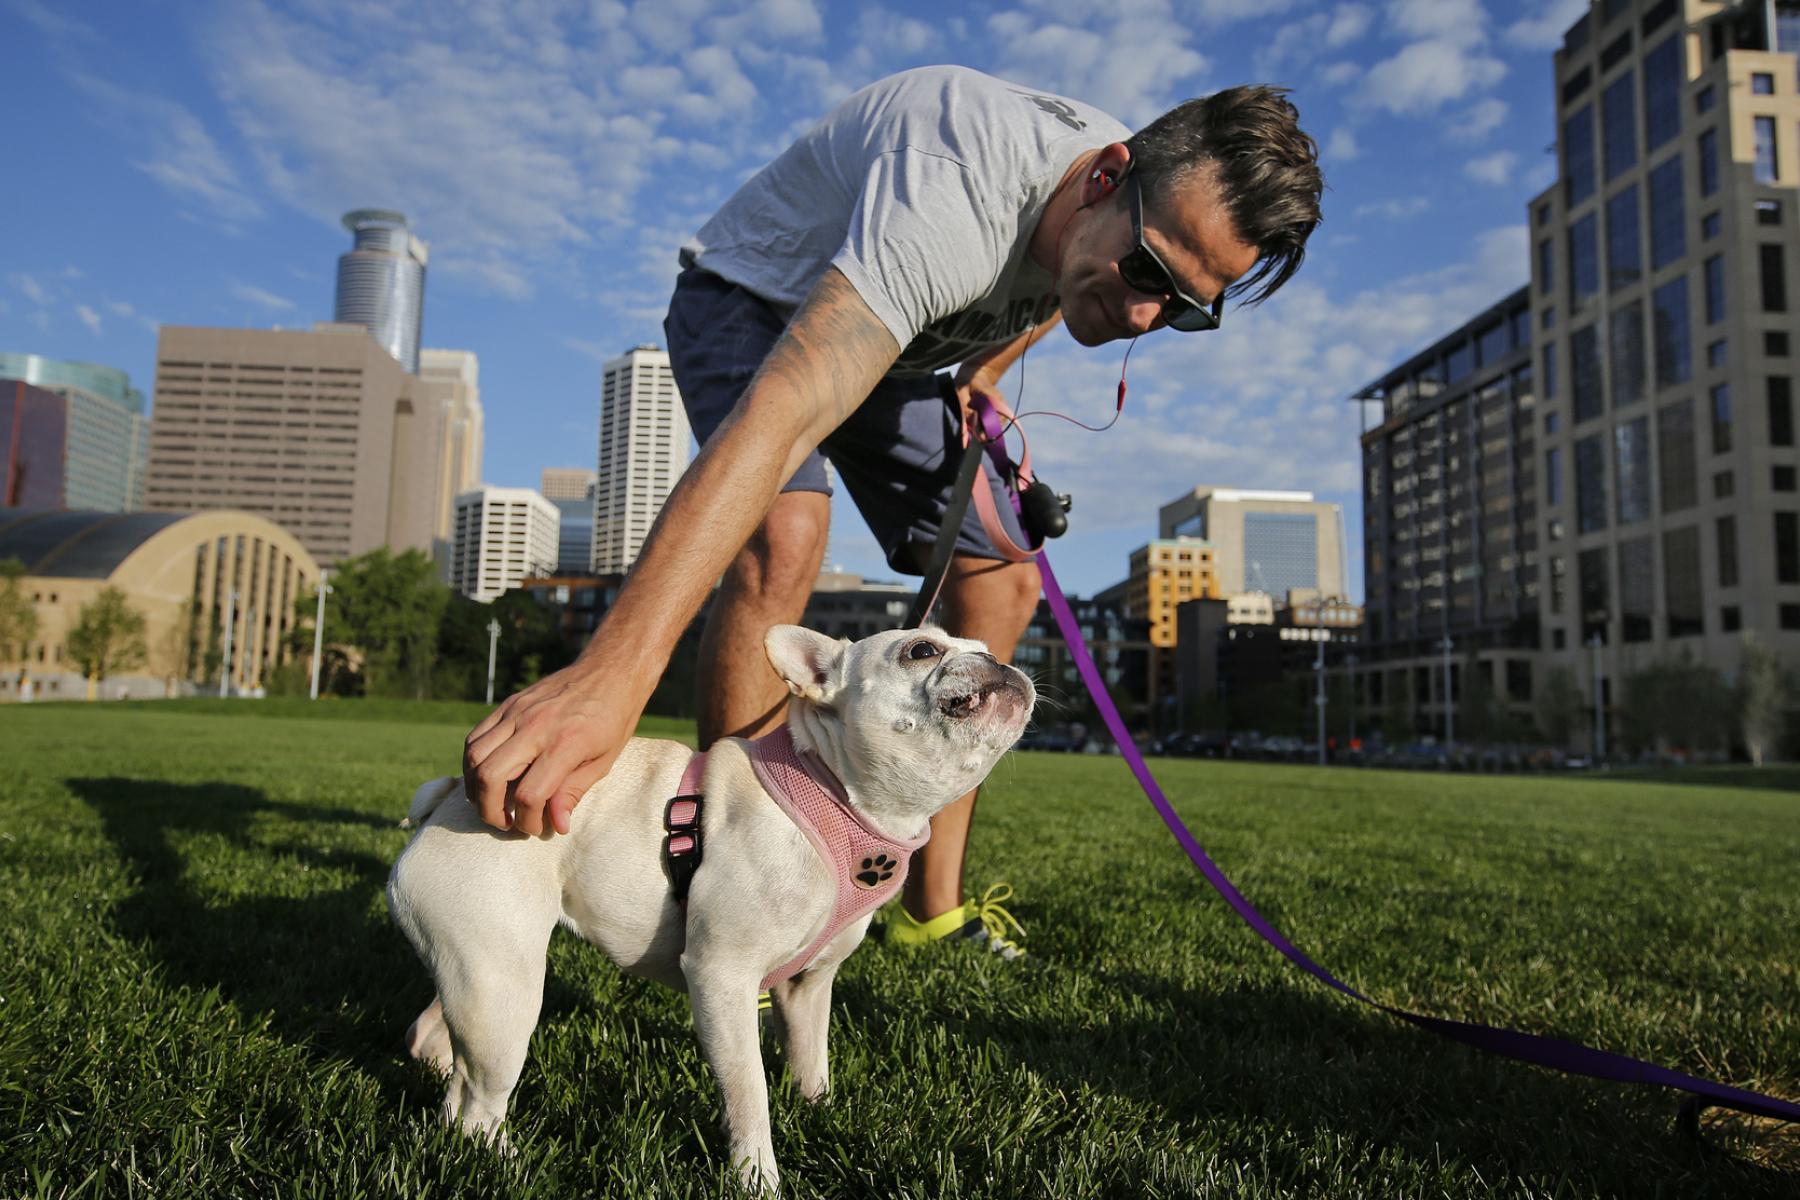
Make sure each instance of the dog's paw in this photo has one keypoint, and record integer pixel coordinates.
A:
(875, 870)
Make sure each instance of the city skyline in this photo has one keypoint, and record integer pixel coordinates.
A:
(554, 206)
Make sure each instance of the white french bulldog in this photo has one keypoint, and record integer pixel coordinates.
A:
(907, 721)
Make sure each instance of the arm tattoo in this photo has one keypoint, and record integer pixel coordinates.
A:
(832, 353)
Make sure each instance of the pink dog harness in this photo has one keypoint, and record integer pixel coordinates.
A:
(868, 865)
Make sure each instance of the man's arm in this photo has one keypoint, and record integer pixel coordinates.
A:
(548, 744)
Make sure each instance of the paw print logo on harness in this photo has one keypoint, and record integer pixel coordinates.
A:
(875, 870)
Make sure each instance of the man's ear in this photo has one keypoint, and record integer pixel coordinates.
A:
(811, 663)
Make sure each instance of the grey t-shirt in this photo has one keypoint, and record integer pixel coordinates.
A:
(924, 190)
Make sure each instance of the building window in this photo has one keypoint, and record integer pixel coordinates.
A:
(1773, 277)
(1543, 213)
(1762, 83)
(1618, 116)
(1459, 362)
(1584, 368)
(1637, 589)
(1559, 582)
(1721, 418)
(1709, 226)
(1726, 529)
(1730, 618)
(1781, 411)
(1781, 479)
(1715, 353)
(1584, 260)
(1787, 547)
(1631, 470)
(1768, 212)
(1715, 289)
(1578, 155)
(1590, 485)
(1595, 593)
(1625, 343)
(1681, 582)
(1668, 223)
(1552, 422)
(1709, 162)
(1676, 469)
(1553, 493)
(1674, 361)
(1492, 344)
(1662, 92)
(1704, 99)
(1723, 486)
(1790, 616)
(1768, 168)
(1624, 254)
(1775, 343)
(1546, 264)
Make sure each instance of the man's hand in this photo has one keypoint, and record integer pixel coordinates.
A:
(537, 754)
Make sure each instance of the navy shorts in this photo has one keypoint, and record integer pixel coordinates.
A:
(897, 454)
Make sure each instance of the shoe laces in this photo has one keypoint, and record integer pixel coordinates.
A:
(994, 918)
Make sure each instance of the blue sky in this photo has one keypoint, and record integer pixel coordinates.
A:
(187, 163)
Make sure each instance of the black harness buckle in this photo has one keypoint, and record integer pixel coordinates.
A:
(683, 847)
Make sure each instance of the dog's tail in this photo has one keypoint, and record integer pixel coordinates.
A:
(425, 801)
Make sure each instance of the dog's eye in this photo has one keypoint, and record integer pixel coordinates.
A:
(922, 650)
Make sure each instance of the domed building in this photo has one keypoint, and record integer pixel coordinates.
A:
(187, 574)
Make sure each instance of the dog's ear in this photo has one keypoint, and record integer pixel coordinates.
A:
(811, 663)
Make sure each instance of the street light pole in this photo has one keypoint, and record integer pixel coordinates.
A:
(1319, 670)
(1350, 679)
(230, 620)
(493, 641)
(319, 633)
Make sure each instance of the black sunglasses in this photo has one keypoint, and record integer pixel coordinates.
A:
(1145, 272)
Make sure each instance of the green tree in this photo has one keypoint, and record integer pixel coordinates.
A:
(108, 636)
(1761, 699)
(385, 607)
(18, 618)
(1676, 703)
(1560, 705)
(530, 646)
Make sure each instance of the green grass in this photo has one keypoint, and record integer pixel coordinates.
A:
(201, 993)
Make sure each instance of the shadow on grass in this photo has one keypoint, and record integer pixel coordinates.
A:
(325, 967)
(1240, 1062)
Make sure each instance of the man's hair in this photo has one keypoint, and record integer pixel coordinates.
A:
(1265, 167)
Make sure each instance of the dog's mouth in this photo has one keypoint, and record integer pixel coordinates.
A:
(998, 696)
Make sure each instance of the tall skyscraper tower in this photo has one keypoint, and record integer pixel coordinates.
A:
(643, 450)
(381, 283)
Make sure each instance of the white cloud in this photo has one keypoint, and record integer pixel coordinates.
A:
(1543, 29)
(587, 349)
(1458, 22)
(1341, 145)
(29, 287)
(1081, 60)
(1340, 73)
(177, 149)
(1496, 168)
(1396, 209)
(1425, 76)
(88, 316)
(1479, 120)
(256, 295)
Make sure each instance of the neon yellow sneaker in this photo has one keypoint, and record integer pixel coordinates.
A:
(983, 921)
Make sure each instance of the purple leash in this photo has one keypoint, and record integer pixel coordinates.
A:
(1555, 1053)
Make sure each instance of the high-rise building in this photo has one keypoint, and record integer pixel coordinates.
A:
(293, 425)
(1262, 541)
(1669, 513)
(567, 483)
(381, 283)
(83, 436)
(437, 449)
(644, 440)
(500, 537)
(1450, 529)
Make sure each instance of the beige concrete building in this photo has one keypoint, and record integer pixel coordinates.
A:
(567, 483)
(1164, 575)
(180, 572)
(1664, 265)
(1262, 541)
(318, 430)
